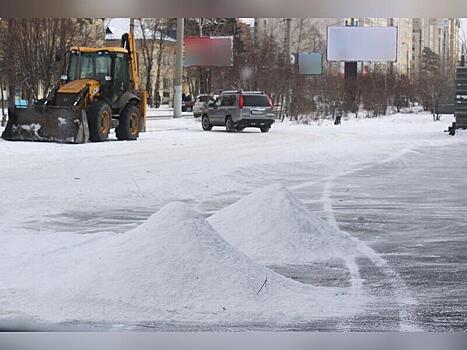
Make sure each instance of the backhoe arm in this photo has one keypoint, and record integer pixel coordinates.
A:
(128, 42)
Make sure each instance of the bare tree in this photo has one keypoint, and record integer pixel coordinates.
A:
(150, 30)
(431, 83)
(208, 79)
(8, 64)
(32, 48)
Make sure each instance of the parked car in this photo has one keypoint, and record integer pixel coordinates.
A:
(187, 103)
(201, 104)
(237, 110)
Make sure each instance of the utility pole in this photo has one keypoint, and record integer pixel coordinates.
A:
(132, 25)
(178, 70)
(390, 71)
(202, 88)
(287, 63)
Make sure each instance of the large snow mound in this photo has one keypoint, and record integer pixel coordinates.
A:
(174, 267)
(273, 227)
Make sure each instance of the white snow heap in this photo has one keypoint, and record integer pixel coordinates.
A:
(174, 267)
(273, 227)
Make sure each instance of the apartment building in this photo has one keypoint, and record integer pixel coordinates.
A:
(441, 35)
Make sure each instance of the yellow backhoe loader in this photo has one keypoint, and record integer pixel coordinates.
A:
(98, 90)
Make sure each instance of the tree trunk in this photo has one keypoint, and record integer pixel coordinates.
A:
(159, 65)
(149, 85)
(3, 98)
(11, 94)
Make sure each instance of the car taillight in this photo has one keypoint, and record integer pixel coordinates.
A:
(240, 101)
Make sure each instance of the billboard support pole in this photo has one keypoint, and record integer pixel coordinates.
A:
(350, 78)
(178, 70)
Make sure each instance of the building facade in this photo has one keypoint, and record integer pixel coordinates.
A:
(441, 35)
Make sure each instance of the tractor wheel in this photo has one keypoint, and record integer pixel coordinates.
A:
(99, 119)
(128, 126)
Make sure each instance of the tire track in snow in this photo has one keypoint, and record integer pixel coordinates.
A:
(403, 296)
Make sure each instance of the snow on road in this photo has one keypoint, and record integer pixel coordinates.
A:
(174, 267)
(60, 200)
(176, 160)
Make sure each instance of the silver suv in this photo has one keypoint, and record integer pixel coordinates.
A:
(237, 110)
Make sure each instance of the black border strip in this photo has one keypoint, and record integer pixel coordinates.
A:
(233, 341)
(233, 8)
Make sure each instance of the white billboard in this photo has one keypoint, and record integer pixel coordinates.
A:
(352, 44)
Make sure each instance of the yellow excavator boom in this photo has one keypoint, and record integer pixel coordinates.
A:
(128, 42)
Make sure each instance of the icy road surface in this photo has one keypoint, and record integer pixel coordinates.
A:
(397, 183)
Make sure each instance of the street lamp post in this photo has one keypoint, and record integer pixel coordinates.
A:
(178, 70)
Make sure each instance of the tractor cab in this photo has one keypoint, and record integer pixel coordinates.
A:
(108, 66)
(99, 90)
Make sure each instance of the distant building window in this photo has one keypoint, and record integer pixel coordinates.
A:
(83, 27)
(166, 84)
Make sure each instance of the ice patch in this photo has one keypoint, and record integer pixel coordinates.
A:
(174, 267)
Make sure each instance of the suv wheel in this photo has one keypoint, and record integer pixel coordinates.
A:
(229, 125)
(205, 123)
(265, 128)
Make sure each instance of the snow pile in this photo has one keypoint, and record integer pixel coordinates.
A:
(273, 227)
(174, 267)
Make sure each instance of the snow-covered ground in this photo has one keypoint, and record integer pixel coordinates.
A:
(67, 214)
(164, 111)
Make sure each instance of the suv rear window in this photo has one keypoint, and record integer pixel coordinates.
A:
(255, 100)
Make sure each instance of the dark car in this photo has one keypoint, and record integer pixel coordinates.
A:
(187, 103)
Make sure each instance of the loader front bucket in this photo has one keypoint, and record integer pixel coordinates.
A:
(47, 123)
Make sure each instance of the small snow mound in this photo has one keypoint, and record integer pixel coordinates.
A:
(272, 226)
(175, 267)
